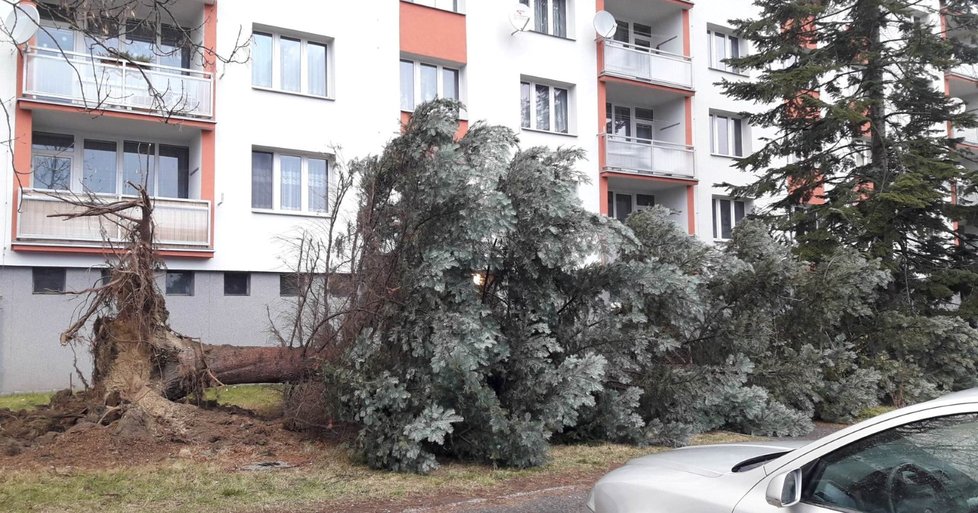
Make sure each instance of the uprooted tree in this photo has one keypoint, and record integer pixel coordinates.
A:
(140, 364)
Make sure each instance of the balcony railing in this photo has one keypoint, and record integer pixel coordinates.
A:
(180, 223)
(108, 83)
(970, 135)
(648, 157)
(647, 65)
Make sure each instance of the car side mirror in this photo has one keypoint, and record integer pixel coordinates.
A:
(785, 489)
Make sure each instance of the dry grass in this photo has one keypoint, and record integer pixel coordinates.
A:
(188, 486)
(332, 481)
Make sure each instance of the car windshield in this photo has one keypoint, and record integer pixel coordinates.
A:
(927, 465)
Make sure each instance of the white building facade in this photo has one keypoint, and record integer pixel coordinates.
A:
(248, 160)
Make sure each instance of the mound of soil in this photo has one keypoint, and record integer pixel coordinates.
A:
(72, 432)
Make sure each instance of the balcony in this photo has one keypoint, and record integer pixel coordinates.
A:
(969, 71)
(647, 65)
(106, 83)
(180, 223)
(648, 157)
(969, 135)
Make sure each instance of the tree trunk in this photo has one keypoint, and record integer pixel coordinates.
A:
(232, 365)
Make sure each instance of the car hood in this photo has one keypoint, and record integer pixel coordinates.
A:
(693, 479)
(713, 460)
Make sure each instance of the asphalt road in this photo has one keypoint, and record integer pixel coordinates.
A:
(564, 499)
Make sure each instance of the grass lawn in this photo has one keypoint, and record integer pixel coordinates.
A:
(25, 401)
(262, 399)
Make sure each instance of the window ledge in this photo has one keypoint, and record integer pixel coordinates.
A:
(460, 116)
(564, 38)
(293, 93)
(291, 213)
(551, 132)
(722, 156)
(729, 72)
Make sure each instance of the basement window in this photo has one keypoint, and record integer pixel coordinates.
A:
(48, 280)
(179, 283)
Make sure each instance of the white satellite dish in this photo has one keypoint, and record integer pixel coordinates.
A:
(605, 24)
(22, 23)
(519, 17)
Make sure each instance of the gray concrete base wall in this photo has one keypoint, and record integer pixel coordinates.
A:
(33, 359)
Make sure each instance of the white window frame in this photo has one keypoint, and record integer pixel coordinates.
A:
(716, 61)
(79, 43)
(633, 123)
(717, 219)
(568, 20)
(553, 112)
(303, 62)
(613, 204)
(304, 203)
(77, 156)
(71, 154)
(439, 81)
(732, 122)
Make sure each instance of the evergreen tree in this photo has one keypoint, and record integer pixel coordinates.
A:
(861, 158)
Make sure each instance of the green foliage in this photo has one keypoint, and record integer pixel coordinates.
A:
(498, 314)
(853, 92)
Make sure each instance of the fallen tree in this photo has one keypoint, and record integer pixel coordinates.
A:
(141, 365)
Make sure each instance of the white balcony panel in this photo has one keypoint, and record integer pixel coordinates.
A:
(646, 64)
(644, 156)
(179, 222)
(114, 84)
(970, 135)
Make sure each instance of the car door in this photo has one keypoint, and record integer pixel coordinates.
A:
(927, 462)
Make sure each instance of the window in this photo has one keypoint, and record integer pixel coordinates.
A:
(548, 16)
(544, 107)
(99, 166)
(288, 285)
(48, 280)
(726, 135)
(929, 465)
(179, 283)
(422, 82)
(140, 39)
(637, 34)
(627, 121)
(289, 64)
(727, 213)
(237, 284)
(621, 205)
(107, 166)
(51, 161)
(723, 45)
(281, 181)
(104, 277)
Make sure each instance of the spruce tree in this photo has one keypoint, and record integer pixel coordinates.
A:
(862, 158)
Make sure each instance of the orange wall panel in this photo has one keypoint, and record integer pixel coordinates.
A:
(431, 32)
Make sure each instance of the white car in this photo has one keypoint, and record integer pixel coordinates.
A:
(919, 459)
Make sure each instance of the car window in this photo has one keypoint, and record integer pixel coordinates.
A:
(931, 465)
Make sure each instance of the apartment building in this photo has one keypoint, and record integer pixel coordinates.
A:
(246, 161)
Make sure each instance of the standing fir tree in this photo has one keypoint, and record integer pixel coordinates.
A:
(863, 157)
